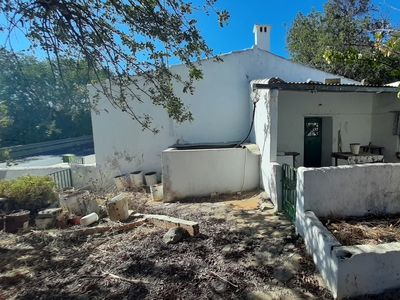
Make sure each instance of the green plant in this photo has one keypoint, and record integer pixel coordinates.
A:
(29, 192)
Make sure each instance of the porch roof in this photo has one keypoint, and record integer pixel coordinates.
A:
(315, 86)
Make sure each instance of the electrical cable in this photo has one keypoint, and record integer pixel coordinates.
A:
(251, 126)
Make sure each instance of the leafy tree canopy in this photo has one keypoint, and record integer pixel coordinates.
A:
(340, 41)
(36, 104)
(120, 38)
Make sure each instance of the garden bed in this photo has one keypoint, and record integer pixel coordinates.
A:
(365, 230)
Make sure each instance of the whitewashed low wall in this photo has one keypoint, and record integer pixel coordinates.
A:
(15, 172)
(89, 159)
(349, 191)
(351, 271)
(201, 172)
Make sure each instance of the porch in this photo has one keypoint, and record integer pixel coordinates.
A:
(319, 122)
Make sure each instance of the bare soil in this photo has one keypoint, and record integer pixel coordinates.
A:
(241, 253)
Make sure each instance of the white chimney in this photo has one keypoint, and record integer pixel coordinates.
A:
(262, 36)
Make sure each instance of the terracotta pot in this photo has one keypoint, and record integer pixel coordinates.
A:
(61, 223)
(75, 220)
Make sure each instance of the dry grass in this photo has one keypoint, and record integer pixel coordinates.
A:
(138, 265)
(366, 230)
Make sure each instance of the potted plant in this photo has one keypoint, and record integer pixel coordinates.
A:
(28, 192)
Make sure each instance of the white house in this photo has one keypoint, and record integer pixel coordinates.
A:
(222, 106)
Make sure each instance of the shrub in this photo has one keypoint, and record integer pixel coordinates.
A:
(29, 192)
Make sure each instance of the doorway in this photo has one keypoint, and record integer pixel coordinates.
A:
(312, 142)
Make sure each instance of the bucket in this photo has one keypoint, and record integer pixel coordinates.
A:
(136, 177)
(120, 181)
(157, 192)
(355, 148)
(15, 221)
(151, 178)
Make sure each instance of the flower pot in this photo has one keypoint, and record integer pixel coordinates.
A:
(61, 223)
(355, 148)
(16, 221)
(120, 181)
(137, 178)
(75, 220)
(157, 192)
(151, 178)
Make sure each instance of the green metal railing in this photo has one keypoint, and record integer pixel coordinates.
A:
(289, 192)
(62, 178)
(77, 160)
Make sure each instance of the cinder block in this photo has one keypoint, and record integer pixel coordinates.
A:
(49, 213)
(44, 223)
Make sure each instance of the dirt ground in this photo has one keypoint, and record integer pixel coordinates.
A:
(241, 253)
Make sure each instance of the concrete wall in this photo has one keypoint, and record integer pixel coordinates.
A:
(319, 243)
(86, 175)
(350, 271)
(193, 173)
(15, 172)
(349, 190)
(382, 122)
(220, 106)
(265, 137)
(90, 176)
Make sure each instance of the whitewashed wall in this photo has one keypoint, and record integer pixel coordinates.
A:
(15, 172)
(265, 137)
(191, 173)
(349, 191)
(220, 106)
(382, 122)
(350, 271)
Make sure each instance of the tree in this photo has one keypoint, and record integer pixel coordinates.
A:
(4, 120)
(122, 39)
(345, 27)
(37, 107)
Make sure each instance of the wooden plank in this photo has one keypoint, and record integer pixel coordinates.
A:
(170, 222)
(101, 229)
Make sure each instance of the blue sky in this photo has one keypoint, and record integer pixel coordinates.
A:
(244, 14)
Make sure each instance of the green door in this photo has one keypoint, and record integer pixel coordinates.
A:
(312, 142)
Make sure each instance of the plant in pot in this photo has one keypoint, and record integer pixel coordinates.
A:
(29, 192)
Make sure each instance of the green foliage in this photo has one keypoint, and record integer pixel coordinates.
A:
(29, 192)
(126, 40)
(38, 105)
(4, 121)
(340, 41)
